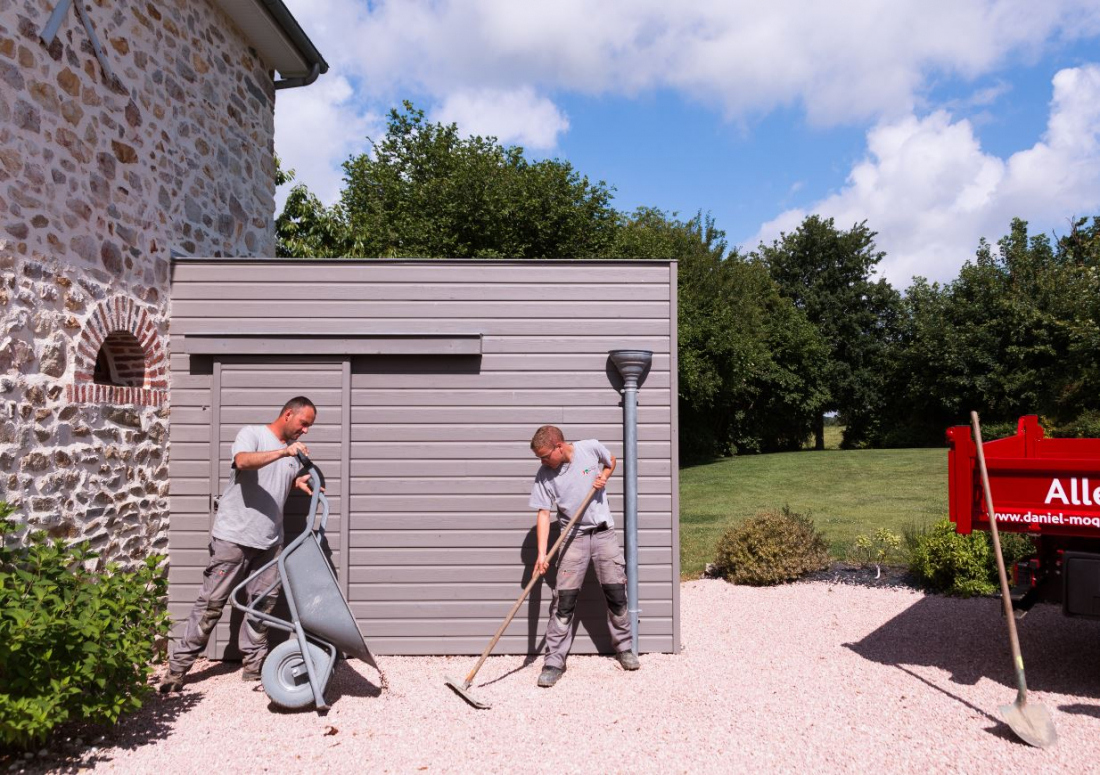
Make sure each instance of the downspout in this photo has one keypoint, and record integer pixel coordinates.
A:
(304, 80)
(632, 365)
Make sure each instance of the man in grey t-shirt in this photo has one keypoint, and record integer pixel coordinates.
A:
(568, 472)
(247, 533)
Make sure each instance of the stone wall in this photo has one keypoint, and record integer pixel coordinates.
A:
(100, 180)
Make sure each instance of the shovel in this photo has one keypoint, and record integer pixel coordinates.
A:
(1031, 723)
(463, 687)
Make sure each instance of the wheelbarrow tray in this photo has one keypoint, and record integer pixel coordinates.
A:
(321, 606)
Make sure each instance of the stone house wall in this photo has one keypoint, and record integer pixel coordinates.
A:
(100, 180)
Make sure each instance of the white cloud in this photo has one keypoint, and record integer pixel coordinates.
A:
(318, 127)
(930, 191)
(517, 117)
(845, 61)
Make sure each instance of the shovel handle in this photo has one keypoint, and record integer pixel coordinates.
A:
(531, 585)
(1006, 595)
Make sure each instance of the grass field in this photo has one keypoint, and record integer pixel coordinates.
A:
(845, 492)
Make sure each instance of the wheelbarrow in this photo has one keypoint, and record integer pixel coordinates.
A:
(321, 625)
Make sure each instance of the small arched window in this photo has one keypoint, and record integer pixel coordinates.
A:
(120, 361)
(119, 357)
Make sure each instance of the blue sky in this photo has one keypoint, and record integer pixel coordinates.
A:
(935, 121)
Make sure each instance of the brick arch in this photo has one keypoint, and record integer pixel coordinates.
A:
(113, 321)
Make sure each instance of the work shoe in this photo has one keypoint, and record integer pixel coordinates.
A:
(172, 682)
(628, 660)
(549, 676)
(248, 674)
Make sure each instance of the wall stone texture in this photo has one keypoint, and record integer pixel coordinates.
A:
(100, 180)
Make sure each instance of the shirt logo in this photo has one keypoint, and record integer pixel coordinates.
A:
(587, 470)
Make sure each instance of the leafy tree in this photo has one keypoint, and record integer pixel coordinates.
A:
(826, 272)
(1016, 333)
(426, 192)
(1079, 253)
(748, 359)
(307, 229)
(282, 177)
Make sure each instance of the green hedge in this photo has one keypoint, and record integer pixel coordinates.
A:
(75, 644)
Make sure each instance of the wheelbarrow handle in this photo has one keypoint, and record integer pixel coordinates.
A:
(531, 584)
(317, 479)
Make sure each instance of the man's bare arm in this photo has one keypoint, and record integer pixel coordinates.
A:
(252, 461)
(542, 533)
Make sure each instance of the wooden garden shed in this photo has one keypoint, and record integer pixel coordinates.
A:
(430, 377)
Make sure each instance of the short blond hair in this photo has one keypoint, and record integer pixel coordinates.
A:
(546, 436)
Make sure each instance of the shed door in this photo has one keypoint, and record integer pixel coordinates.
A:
(250, 390)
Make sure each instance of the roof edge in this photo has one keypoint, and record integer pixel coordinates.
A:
(285, 19)
(421, 261)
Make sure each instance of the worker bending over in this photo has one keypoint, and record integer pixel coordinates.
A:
(567, 473)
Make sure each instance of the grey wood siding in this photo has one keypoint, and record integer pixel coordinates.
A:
(427, 455)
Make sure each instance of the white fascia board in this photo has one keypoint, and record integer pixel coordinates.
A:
(268, 38)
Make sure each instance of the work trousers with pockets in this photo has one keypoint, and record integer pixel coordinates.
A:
(602, 550)
(229, 565)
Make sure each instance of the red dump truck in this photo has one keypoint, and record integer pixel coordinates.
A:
(1048, 489)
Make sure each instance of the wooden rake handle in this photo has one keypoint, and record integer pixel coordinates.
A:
(531, 585)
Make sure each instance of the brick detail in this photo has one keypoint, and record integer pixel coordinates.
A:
(134, 349)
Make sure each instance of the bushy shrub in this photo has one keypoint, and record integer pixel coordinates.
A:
(1014, 547)
(1085, 426)
(949, 562)
(770, 547)
(963, 565)
(999, 430)
(878, 548)
(75, 644)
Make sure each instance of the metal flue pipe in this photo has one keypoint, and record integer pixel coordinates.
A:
(632, 365)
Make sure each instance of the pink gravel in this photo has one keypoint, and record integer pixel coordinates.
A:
(797, 678)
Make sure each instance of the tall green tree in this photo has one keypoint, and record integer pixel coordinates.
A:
(827, 273)
(749, 362)
(1079, 253)
(425, 191)
(1017, 332)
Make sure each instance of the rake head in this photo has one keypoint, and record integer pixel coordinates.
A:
(463, 690)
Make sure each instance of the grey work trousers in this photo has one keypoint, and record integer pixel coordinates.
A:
(229, 565)
(602, 550)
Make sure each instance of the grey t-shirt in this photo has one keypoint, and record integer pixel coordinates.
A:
(250, 511)
(565, 488)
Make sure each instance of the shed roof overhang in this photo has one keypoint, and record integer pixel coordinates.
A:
(351, 343)
(278, 38)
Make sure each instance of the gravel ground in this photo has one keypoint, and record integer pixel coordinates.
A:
(820, 675)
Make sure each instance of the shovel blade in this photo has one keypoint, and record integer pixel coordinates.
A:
(463, 690)
(1031, 723)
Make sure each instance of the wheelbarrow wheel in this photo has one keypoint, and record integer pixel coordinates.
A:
(284, 673)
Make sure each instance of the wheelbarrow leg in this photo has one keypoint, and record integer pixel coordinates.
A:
(315, 681)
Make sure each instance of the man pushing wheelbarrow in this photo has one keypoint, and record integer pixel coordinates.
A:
(249, 568)
(247, 535)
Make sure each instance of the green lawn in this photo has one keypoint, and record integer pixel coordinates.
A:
(845, 492)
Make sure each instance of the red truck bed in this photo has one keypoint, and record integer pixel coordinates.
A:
(1041, 486)
(1048, 489)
